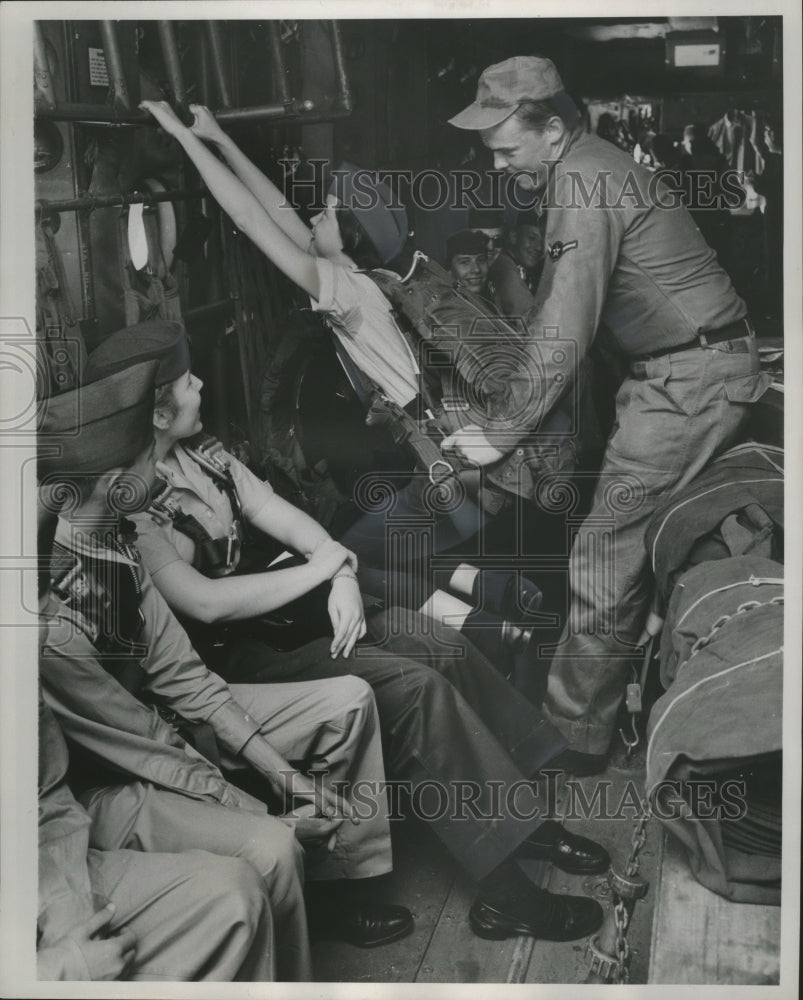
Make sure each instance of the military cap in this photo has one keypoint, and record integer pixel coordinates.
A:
(370, 201)
(504, 86)
(163, 340)
(98, 426)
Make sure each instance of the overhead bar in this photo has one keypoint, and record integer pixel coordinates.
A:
(344, 91)
(167, 36)
(114, 65)
(88, 203)
(279, 73)
(219, 62)
(301, 112)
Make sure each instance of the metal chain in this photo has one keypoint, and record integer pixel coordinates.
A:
(638, 840)
(620, 914)
(704, 640)
(621, 974)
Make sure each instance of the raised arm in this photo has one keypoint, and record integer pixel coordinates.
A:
(246, 212)
(261, 187)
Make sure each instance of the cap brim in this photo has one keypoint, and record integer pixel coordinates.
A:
(476, 117)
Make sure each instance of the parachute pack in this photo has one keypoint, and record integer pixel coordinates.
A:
(716, 550)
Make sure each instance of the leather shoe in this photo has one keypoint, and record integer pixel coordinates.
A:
(578, 763)
(549, 917)
(364, 924)
(567, 851)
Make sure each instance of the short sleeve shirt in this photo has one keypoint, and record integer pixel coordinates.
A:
(199, 496)
(361, 318)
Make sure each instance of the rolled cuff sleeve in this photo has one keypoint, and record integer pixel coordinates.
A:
(233, 726)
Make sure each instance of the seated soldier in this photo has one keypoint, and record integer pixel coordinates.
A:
(453, 724)
(467, 259)
(115, 657)
(128, 915)
(513, 279)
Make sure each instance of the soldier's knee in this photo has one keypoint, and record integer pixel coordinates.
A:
(356, 692)
(234, 888)
(282, 854)
(430, 687)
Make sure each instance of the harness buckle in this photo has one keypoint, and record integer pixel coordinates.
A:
(449, 471)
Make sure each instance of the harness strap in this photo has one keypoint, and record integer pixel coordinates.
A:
(405, 429)
(213, 556)
(106, 608)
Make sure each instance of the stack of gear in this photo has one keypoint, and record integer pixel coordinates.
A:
(715, 736)
(734, 507)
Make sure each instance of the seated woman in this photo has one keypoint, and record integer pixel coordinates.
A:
(447, 716)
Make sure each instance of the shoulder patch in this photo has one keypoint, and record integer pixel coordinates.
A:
(558, 249)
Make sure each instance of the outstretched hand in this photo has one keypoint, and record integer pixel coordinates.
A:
(205, 125)
(165, 116)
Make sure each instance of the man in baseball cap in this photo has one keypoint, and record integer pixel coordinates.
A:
(531, 89)
(615, 252)
(504, 86)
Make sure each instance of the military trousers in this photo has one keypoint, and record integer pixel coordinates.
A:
(454, 731)
(195, 916)
(674, 414)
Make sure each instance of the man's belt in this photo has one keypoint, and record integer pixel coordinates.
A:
(733, 331)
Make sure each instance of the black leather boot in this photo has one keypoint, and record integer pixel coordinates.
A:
(363, 923)
(508, 905)
(567, 851)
